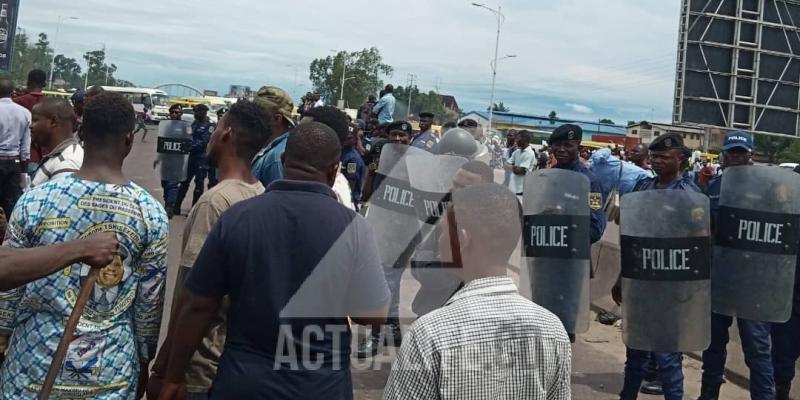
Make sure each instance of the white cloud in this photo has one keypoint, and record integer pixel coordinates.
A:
(579, 108)
(605, 59)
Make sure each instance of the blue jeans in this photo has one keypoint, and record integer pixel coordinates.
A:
(198, 171)
(197, 396)
(756, 348)
(786, 343)
(670, 369)
(170, 192)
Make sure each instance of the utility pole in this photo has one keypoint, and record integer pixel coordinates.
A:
(411, 78)
(105, 59)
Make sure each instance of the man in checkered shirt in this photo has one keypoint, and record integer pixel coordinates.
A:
(487, 341)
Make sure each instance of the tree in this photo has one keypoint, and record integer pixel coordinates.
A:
(606, 121)
(771, 146)
(98, 69)
(362, 74)
(499, 107)
(421, 102)
(791, 154)
(28, 56)
(553, 116)
(68, 70)
(631, 122)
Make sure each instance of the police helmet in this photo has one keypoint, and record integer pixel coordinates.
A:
(459, 142)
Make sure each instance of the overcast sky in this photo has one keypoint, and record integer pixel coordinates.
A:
(586, 59)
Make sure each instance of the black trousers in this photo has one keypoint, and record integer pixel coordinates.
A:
(10, 187)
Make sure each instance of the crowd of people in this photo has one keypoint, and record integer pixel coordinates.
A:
(287, 246)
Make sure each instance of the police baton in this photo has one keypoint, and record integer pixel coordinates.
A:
(66, 338)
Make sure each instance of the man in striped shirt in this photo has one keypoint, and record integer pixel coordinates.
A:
(487, 341)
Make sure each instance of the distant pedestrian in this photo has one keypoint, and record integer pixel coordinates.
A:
(522, 161)
(15, 147)
(384, 108)
(37, 80)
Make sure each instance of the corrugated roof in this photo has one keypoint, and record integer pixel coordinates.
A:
(541, 122)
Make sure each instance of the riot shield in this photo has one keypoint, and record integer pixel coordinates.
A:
(556, 244)
(391, 210)
(432, 179)
(756, 239)
(665, 254)
(174, 140)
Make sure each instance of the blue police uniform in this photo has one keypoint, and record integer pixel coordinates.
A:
(754, 335)
(198, 163)
(785, 343)
(598, 216)
(426, 141)
(354, 169)
(670, 366)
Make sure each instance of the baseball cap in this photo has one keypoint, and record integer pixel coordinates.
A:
(739, 139)
(276, 100)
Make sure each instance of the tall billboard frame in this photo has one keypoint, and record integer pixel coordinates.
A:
(738, 65)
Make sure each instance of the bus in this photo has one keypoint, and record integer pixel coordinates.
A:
(157, 101)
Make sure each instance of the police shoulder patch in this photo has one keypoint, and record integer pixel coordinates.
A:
(351, 168)
(429, 144)
(595, 201)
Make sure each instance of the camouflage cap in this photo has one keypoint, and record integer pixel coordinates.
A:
(275, 100)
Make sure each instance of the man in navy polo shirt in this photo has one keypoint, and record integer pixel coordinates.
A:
(295, 264)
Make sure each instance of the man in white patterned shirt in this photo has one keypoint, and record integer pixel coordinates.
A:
(487, 341)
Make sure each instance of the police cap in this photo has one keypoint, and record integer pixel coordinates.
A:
(569, 132)
(668, 142)
(400, 126)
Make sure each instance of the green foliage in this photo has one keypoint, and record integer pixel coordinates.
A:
(499, 107)
(553, 116)
(771, 146)
(606, 121)
(790, 154)
(39, 55)
(421, 102)
(364, 69)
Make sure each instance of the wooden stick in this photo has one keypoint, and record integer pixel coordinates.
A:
(69, 330)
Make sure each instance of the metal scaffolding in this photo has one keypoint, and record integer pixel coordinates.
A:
(738, 65)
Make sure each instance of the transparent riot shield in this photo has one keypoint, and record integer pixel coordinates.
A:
(432, 179)
(556, 244)
(665, 254)
(756, 241)
(174, 140)
(391, 210)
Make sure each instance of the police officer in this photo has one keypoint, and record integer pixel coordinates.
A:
(171, 188)
(353, 167)
(565, 144)
(198, 165)
(669, 157)
(396, 132)
(736, 151)
(425, 140)
(785, 343)
(399, 132)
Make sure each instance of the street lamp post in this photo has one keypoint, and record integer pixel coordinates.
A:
(55, 44)
(344, 79)
(500, 19)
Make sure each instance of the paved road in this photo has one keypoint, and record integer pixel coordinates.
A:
(598, 355)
